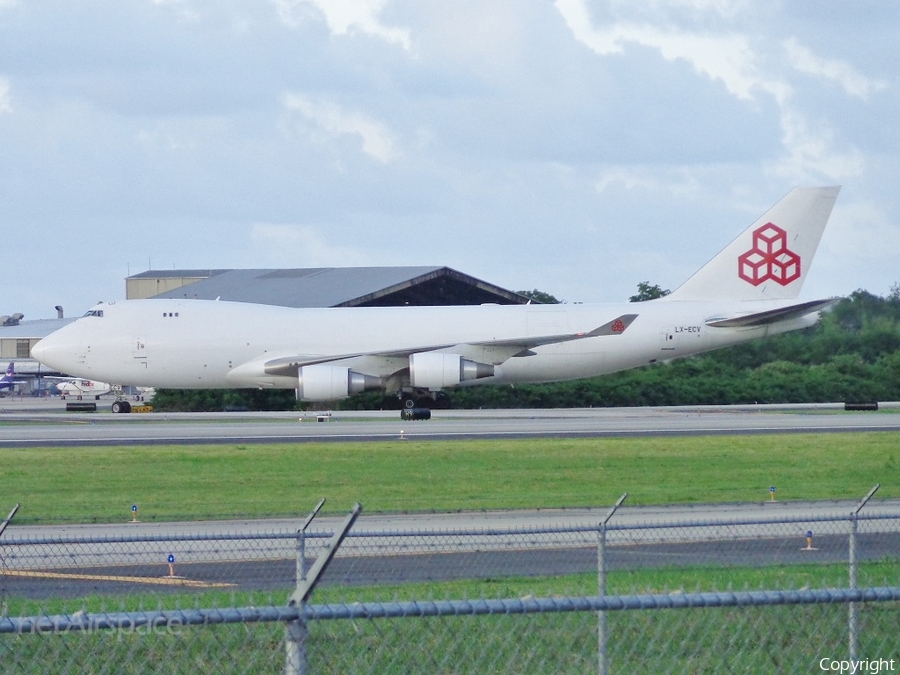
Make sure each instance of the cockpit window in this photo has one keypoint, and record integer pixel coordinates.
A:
(94, 312)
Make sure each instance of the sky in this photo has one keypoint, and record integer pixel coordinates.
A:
(573, 146)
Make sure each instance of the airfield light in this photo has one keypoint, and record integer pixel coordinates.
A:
(809, 546)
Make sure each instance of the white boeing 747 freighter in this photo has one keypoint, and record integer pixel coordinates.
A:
(747, 291)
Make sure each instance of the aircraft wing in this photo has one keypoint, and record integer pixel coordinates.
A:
(489, 351)
(772, 315)
(523, 347)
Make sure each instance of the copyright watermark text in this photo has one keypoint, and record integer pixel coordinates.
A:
(858, 667)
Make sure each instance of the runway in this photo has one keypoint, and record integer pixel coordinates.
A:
(27, 425)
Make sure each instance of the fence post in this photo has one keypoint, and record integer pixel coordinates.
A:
(853, 619)
(296, 631)
(9, 518)
(296, 662)
(601, 587)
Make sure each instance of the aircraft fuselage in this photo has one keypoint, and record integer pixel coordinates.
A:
(202, 344)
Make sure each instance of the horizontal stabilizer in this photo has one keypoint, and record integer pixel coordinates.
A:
(772, 315)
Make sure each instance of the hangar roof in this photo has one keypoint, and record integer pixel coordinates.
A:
(33, 329)
(323, 286)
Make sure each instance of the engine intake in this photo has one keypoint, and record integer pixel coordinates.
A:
(436, 370)
(328, 383)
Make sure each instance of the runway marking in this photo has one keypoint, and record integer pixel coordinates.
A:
(162, 581)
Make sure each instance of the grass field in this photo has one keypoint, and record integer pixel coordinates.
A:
(221, 481)
(739, 639)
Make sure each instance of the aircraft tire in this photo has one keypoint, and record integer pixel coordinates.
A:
(409, 414)
(121, 407)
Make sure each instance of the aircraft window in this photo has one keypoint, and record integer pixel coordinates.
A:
(94, 312)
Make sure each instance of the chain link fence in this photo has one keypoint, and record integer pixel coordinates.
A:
(794, 594)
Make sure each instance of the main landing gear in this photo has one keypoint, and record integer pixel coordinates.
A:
(417, 405)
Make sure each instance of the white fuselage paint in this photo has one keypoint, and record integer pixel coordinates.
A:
(197, 343)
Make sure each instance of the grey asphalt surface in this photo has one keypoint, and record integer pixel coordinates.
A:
(278, 576)
(40, 423)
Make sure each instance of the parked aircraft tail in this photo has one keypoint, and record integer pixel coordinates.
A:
(8, 380)
(770, 259)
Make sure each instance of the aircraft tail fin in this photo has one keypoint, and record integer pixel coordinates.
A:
(7, 381)
(770, 259)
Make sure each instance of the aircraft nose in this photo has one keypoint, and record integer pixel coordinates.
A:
(39, 351)
(54, 351)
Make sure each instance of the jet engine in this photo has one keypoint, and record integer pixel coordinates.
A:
(327, 383)
(435, 370)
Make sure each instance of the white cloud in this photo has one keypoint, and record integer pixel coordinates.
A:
(675, 182)
(303, 246)
(810, 152)
(164, 140)
(332, 120)
(726, 58)
(730, 58)
(853, 82)
(183, 134)
(723, 8)
(344, 17)
(5, 105)
(180, 9)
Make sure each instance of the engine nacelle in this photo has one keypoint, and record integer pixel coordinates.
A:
(436, 370)
(328, 383)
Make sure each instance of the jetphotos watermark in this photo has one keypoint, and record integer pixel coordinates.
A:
(860, 667)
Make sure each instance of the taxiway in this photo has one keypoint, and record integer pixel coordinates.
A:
(23, 426)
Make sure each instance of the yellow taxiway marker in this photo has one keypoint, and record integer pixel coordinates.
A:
(164, 581)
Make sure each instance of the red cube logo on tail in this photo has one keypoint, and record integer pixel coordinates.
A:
(769, 259)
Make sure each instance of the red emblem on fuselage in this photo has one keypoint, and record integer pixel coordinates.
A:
(770, 259)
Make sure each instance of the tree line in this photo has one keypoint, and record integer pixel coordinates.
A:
(852, 354)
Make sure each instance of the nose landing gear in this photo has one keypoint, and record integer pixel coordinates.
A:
(121, 407)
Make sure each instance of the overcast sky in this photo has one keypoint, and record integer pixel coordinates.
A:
(575, 146)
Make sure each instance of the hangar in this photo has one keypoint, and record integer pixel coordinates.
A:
(323, 287)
